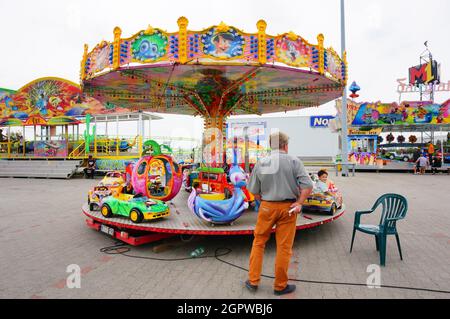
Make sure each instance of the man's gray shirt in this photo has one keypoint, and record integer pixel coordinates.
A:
(278, 177)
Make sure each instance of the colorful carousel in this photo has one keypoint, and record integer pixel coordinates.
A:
(212, 73)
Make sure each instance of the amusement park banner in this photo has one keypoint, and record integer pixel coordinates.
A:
(405, 113)
(50, 149)
(49, 101)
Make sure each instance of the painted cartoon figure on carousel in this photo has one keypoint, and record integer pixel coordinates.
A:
(222, 211)
(157, 175)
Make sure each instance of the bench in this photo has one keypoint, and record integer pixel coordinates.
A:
(445, 168)
(351, 166)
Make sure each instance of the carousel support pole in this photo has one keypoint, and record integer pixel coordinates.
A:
(117, 135)
(66, 129)
(95, 137)
(182, 35)
(24, 142)
(442, 147)
(116, 50)
(140, 134)
(83, 63)
(262, 43)
(149, 126)
(34, 140)
(246, 156)
(344, 100)
(320, 47)
(9, 141)
(142, 124)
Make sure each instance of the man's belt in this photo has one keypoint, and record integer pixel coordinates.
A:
(287, 200)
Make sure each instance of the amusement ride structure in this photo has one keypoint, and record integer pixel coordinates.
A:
(212, 73)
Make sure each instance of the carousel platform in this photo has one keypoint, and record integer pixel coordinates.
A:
(183, 222)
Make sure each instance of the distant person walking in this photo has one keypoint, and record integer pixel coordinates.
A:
(430, 151)
(436, 163)
(423, 164)
(282, 184)
(416, 156)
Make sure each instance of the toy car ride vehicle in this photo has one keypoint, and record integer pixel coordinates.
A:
(324, 198)
(323, 202)
(112, 184)
(96, 195)
(137, 208)
(215, 181)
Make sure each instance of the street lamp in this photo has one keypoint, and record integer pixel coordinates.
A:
(344, 132)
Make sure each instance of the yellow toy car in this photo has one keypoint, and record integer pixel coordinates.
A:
(326, 202)
(112, 184)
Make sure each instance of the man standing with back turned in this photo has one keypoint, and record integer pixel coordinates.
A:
(282, 184)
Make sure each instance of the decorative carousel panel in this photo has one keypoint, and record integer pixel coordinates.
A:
(223, 42)
(149, 46)
(333, 64)
(100, 58)
(293, 50)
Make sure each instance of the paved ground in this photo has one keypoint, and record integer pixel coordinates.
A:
(42, 231)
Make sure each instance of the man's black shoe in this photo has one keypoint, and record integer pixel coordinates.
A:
(287, 290)
(251, 287)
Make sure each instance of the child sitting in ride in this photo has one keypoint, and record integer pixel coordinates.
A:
(323, 184)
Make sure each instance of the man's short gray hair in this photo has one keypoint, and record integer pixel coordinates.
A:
(278, 140)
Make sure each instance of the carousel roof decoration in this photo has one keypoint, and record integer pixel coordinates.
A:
(215, 72)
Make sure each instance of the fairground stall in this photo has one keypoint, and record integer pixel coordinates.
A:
(51, 119)
(419, 117)
(42, 120)
(45, 116)
(212, 73)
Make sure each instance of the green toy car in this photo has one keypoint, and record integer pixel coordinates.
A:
(137, 208)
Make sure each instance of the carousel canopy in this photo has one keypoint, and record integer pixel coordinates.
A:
(216, 72)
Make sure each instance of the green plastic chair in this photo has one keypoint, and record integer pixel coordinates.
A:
(394, 208)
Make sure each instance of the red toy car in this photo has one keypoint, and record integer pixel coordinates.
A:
(214, 180)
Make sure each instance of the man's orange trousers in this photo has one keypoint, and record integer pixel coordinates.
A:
(270, 214)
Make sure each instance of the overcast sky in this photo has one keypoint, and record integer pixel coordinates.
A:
(384, 37)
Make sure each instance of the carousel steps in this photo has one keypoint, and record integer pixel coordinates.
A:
(38, 168)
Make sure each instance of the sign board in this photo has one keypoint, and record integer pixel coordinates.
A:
(375, 131)
(403, 87)
(320, 121)
(405, 113)
(424, 74)
(50, 149)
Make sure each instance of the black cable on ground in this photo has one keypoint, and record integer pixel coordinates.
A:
(122, 249)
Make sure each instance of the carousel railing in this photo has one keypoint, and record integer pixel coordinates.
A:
(116, 147)
(78, 151)
(5, 149)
